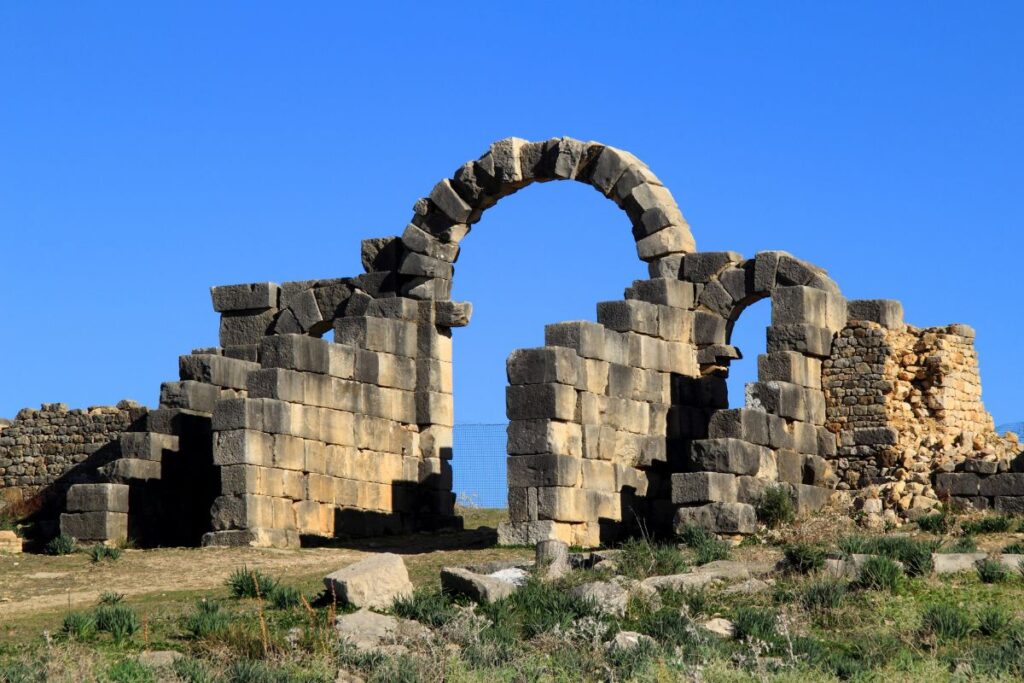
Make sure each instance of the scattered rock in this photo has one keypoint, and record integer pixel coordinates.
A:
(484, 588)
(612, 597)
(374, 582)
(367, 630)
(747, 587)
(627, 640)
(347, 677)
(952, 563)
(159, 659)
(9, 542)
(552, 559)
(719, 626)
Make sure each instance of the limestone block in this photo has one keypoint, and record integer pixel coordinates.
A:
(886, 312)
(1011, 505)
(435, 473)
(807, 339)
(629, 316)
(341, 360)
(477, 587)
(422, 242)
(433, 408)
(449, 202)
(111, 527)
(97, 498)
(703, 487)
(766, 264)
(529, 533)
(750, 490)
(544, 436)
(670, 240)
(189, 394)
(810, 499)
(790, 366)
(542, 365)
(791, 466)
(703, 266)
(433, 375)
(540, 401)
(817, 471)
(588, 339)
(675, 324)
(242, 447)
(245, 327)
(256, 295)
(768, 467)
(147, 445)
(725, 518)
(433, 342)
(805, 437)
(375, 582)
(741, 423)
(957, 484)
(526, 471)
(799, 306)
(436, 441)
(827, 443)
(237, 480)
(717, 298)
(237, 413)
(738, 280)
(792, 271)
(421, 265)
(875, 436)
(708, 328)
(598, 475)
(125, 470)
(1007, 484)
(284, 385)
(242, 512)
(577, 505)
(295, 352)
(725, 455)
(221, 371)
(593, 376)
(788, 400)
(378, 334)
(662, 290)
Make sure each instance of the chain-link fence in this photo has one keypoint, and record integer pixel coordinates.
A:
(478, 465)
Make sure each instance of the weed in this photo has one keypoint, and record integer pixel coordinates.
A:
(964, 544)
(705, 544)
(102, 552)
(916, 555)
(250, 583)
(639, 558)
(206, 620)
(426, 606)
(945, 622)
(537, 608)
(776, 507)
(989, 524)
(993, 621)
(192, 671)
(823, 595)
(79, 625)
(61, 545)
(111, 598)
(252, 671)
(120, 621)
(629, 663)
(130, 671)
(854, 545)
(804, 558)
(755, 622)
(880, 573)
(1015, 548)
(992, 571)
(936, 523)
(16, 672)
(285, 597)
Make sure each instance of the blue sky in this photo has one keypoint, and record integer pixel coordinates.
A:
(152, 150)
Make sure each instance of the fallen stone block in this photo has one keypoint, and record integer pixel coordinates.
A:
(95, 526)
(725, 455)
(953, 563)
(724, 518)
(366, 630)
(257, 295)
(703, 487)
(375, 582)
(481, 588)
(98, 498)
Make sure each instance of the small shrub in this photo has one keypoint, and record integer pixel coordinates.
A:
(755, 622)
(207, 619)
(935, 523)
(130, 671)
(993, 621)
(536, 608)
(990, 524)
(61, 545)
(705, 544)
(285, 597)
(250, 583)
(804, 558)
(630, 663)
(823, 595)
(252, 671)
(192, 671)
(120, 621)
(880, 573)
(776, 507)
(992, 571)
(101, 552)
(854, 545)
(945, 622)
(916, 557)
(426, 606)
(111, 598)
(17, 672)
(964, 544)
(639, 558)
(1015, 548)
(79, 625)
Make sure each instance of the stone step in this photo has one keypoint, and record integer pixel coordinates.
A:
(147, 445)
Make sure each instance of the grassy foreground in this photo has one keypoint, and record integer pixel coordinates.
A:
(888, 622)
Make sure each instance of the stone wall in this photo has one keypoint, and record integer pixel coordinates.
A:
(44, 451)
(906, 404)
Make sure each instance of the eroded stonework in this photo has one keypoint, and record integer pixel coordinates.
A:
(277, 437)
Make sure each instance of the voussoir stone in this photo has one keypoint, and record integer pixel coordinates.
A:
(375, 582)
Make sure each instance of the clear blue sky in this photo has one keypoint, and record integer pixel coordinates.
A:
(152, 150)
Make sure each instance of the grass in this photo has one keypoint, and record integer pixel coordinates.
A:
(992, 571)
(994, 621)
(120, 621)
(60, 545)
(250, 583)
(804, 558)
(1015, 548)
(640, 558)
(989, 524)
(940, 522)
(100, 552)
(776, 507)
(426, 606)
(823, 595)
(880, 573)
(964, 544)
(706, 546)
(914, 554)
(755, 622)
(945, 622)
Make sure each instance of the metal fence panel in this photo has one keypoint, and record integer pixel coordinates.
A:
(478, 465)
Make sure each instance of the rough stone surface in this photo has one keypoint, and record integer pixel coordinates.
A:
(372, 583)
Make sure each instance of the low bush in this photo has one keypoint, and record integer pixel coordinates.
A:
(804, 558)
(989, 524)
(120, 621)
(755, 622)
(914, 554)
(130, 671)
(936, 523)
(823, 595)
(945, 622)
(78, 625)
(639, 558)
(111, 598)
(536, 608)
(285, 597)
(776, 507)
(1015, 548)
(992, 571)
(964, 544)
(101, 552)
(880, 573)
(429, 607)
(60, 545)
(250, 583)
(192, 671)
(993, 621)
(706, 546)
(206, 620)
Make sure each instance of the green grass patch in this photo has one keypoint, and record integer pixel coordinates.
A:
(250, 583)
(60, 545)
(776, 507)
(804, 558)
(992, 571)
(706, 546)
(945, 622)
(100, 552)
(880, 573)
(989, 524)
(426, 606)
(640, 558)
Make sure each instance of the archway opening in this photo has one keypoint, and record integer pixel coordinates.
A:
(748, 336)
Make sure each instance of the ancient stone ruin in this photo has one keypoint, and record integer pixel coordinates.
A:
(278, 435)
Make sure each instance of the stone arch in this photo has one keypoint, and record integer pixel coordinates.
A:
(420, 261)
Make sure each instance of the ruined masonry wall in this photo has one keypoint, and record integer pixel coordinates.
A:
(40, 448)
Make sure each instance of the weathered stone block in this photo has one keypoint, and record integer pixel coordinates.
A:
(147, 445)
(886, 312)
(703, 487)
(526, 471)
(725, 455)
(540, 401)
(221, 371)
(703, 266)
(724, 518)
(1007, 484)
(257, 295)
(808, 339)
(662, 290)
(629, 316)
(242, 447)
(790, 366)
(741, 423)
(98, 498)
(544, 436)
(189, 394)
(542, 365)
(375, 582)
(957, 484)
(111, 527)
(126, 470)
